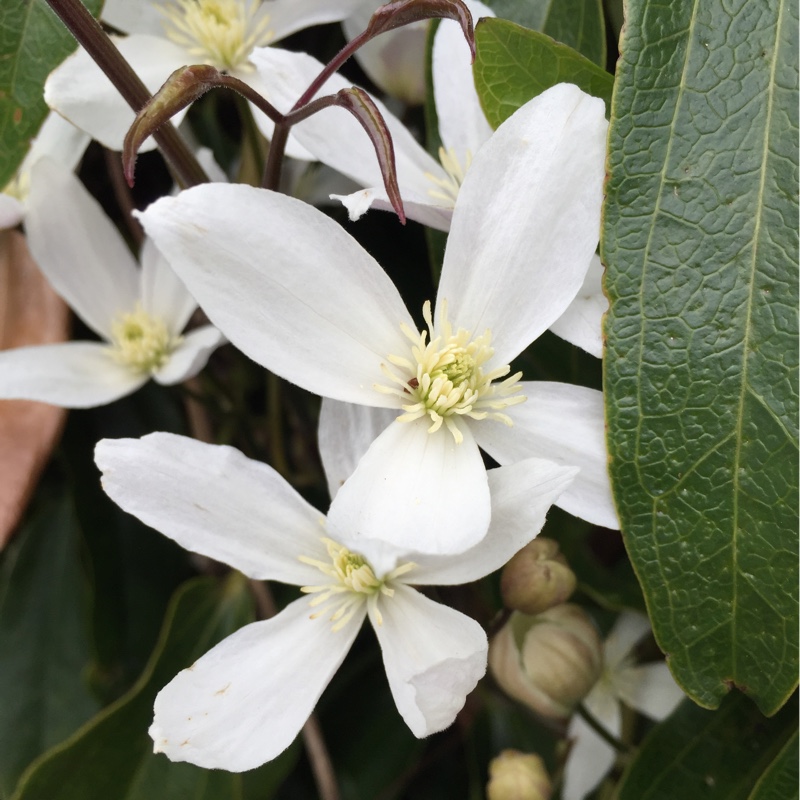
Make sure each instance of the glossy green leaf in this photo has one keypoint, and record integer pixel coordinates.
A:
(780, 780)
(111, 756)
(44, 645)
(514, 64)
(33, 42)
(700, 243)
(577, 23)
(697, 754)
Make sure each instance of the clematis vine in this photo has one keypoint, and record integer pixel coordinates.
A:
(292, 290)
(648, 688)
(244, 702)
(138, 313)
(167, 34)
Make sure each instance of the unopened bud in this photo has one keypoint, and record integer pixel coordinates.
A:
(537, 578)
(548, 662)
(518, 776)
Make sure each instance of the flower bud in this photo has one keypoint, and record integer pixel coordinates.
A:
(548, 662)
(518, 776)
(537, 578)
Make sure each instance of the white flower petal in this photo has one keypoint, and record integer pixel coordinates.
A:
(629, 629)
(434, 657)
(163, 293)
(563, 423)
(649, 688)
(244, 701)
(134, 16)
(345, 433)
(589, 760)
(462, 123)
(190, 356)
(334, 136)
(59, 140)
(527, 220)
(80, 91)
(215, 501)
(521, 497)
(286, 284)
(70, 375)
(11, 211)
(78, 249)
(414, 490)
(421, 209)
(582, 323)
(288, 16)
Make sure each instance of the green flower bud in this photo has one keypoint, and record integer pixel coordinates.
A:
(518, 776)
(548, 662)
(537, 578)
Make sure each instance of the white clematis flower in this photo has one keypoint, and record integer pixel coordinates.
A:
(296, 293)
(648, 688)
(58, 140)
(168, 34)
(245, 701)
(139, 313)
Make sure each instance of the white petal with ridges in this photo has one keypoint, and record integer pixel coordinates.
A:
(162, 291)
(521, 497)
(244, 701)
(590, 758)
(527, 220)
(287, 286)
(566, 424)
(582, 323)
(434, 657)
(346, 432)
(215, 501)
(414, 490)
(78, 248)
(462, 123)
(80, 91)
(70, 375)
(190, 356)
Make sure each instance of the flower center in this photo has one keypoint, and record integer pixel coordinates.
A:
(352, 583)
(447, 188)
(444, 377)
(141, 342)
(222, 33)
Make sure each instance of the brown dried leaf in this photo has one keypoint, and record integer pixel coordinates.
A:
(30, 313)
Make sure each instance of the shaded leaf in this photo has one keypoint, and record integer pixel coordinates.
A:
(515, 64)
(700, 243)
(44, 647)
(702, 754)
(779, 781)
(577, 23)
(33, 43)
(30, 313)
(111, 756)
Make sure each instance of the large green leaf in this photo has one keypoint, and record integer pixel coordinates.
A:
(33, 42)
(111, 756)
(577, 23)
(44, 643)
(514, 64)
(700, 245)
(698, 754)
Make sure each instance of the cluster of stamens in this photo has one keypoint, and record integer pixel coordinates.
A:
(447, 188)
(221, 33)
(444, 377)
(352, 583)
(141, 342)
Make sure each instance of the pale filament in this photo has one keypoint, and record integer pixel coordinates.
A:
(447, 188)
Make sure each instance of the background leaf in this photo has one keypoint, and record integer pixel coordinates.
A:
(577, 23)
(514, 64)
(702, 754)
(33, 42)
(112, 755)
(779, 781)
(44, 644)
(700, 244)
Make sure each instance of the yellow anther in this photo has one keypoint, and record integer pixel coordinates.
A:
(141, 342)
